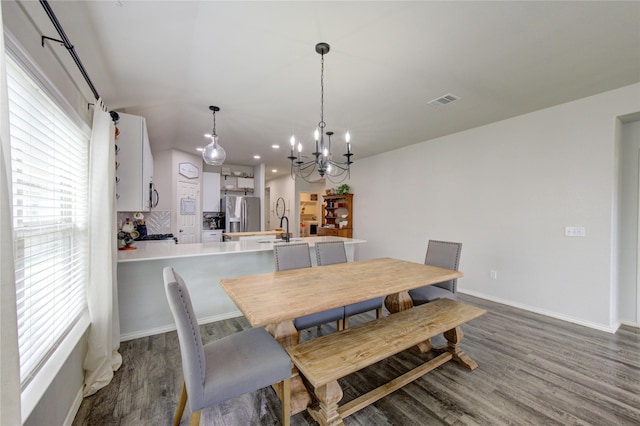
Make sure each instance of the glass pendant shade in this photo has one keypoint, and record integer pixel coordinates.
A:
(213, 154)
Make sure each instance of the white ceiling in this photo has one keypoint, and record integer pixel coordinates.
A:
(168, 61)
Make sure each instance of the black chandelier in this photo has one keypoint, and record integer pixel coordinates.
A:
(322, 162)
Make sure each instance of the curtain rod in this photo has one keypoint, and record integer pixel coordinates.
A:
(65, 41)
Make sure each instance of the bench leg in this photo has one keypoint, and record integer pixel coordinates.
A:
(454, 336)
(287, 335)
(326, 412)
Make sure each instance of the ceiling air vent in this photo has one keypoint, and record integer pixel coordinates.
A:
(444, 100)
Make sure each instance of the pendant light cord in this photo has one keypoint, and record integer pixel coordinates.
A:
(213, 133)
(322, 124)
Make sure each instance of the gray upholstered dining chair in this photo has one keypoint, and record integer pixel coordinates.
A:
(329, 252)
(225, 368)
(442, 254)
(295, 256)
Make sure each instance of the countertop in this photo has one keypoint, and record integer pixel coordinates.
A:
(149, 250)
(252, 234)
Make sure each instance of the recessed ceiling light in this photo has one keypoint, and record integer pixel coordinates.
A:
(275, 146)
(207, 135)
(256, 157)
(274, 170)
(200, 149)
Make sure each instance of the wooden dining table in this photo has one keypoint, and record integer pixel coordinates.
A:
(275, 299)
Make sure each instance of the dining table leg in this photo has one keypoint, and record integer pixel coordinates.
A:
(287, 335)
(398, 302)
(401, 302)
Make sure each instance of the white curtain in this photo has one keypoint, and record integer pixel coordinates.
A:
(9, 360)
(102, 357)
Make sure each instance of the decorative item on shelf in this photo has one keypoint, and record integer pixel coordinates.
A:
(225, 171)
(343, 189)
(213, 153)
(322, 165)
(127, 236)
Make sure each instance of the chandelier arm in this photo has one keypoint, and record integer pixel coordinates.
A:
(308, 165)
(340, 166)
(300, 171)
(344, 177)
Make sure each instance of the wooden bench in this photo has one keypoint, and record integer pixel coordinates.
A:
(324, 360)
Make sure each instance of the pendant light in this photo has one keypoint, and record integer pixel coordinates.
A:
(213, 153)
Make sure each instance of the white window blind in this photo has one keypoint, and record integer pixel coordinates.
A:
(49, 158)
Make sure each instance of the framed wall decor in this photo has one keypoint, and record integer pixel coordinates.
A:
(188, 170)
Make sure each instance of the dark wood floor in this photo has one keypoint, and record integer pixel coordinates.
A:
(533, 370)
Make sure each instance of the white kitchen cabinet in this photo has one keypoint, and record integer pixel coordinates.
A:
(210, 192)
(134, 170)
(212, 236)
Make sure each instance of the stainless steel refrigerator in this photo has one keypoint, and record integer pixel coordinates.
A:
(242, 214)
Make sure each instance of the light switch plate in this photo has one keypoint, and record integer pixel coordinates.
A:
(574, 231)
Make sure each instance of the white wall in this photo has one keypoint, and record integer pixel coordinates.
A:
(507, 190)
(283, 187)
(628, 252)
(62, 399)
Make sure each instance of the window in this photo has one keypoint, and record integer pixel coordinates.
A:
(49, 163)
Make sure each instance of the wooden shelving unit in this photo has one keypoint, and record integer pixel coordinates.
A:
(337, 209)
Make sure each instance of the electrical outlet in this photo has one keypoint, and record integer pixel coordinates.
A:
(574, 231)
(493, 274)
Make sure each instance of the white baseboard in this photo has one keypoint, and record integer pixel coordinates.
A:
(544, 312)
(172, 327)
(73, 410)
(631, 324)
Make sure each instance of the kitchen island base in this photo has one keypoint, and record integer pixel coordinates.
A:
(143, 307)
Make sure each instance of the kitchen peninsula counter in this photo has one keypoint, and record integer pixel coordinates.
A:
(164, 250)
(143, 306)
(237, 235)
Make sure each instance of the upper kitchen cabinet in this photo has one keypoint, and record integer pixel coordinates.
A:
(134, 169)
(210, 192)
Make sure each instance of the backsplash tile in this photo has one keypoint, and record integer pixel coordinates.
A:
(158, 222)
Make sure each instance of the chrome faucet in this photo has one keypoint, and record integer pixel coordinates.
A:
(286, 236)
